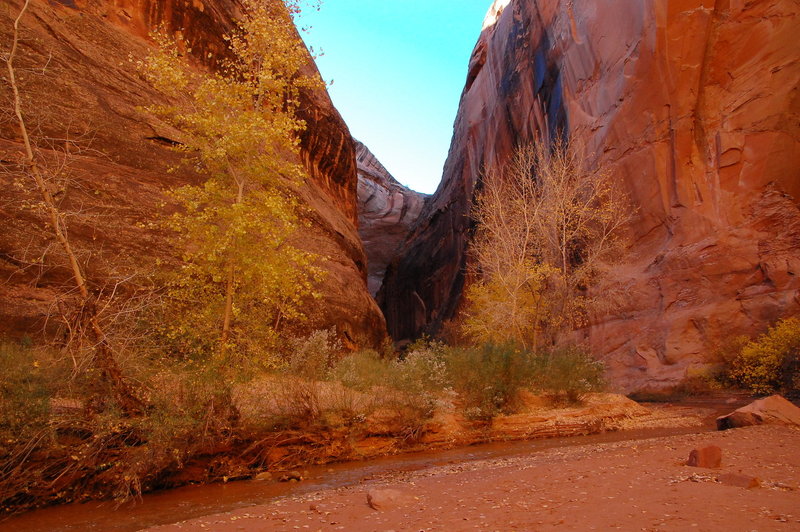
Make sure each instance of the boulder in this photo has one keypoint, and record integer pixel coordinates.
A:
(773, 410)
(388, 499)
(709, 457)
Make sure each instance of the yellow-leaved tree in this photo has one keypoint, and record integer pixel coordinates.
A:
(242, 278)
(546, 225)
(771, 362)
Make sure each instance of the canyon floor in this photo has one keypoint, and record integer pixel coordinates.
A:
(630, 485)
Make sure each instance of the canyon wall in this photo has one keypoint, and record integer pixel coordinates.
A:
(695, 107)
(386, 213)
(83, 98)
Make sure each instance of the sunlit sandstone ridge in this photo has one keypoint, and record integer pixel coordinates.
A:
(695, 106)
(87, 89)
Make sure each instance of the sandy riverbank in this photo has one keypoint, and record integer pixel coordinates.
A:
(637, 485)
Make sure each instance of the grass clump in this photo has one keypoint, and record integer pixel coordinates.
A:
(26, 387)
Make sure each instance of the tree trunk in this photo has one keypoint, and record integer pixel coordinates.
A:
(230, 282)
(228, 312)
(103, 358)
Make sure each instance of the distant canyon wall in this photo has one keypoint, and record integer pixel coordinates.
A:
(387, 211)
(695, 107)
(82, 94)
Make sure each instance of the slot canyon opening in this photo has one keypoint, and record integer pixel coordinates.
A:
(396, 72)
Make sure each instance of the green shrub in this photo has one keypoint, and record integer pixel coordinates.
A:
(404, 390)
(770, 363)
(488, 378)
(362, 370)
(423, 368)
(422, 381)
(312, 357)
(420, 371)
(568, 373)
(293, 387)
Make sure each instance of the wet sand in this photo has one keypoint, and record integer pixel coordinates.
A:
(633, 485)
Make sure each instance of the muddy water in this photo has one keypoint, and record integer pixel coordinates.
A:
(196, 501)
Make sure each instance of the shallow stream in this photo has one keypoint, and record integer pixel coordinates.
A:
(196, 501)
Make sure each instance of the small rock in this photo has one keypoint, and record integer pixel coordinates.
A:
(291, 476)
(709, 457)
(263, 476)
(739, 481)
(387, 499)
(319, 508)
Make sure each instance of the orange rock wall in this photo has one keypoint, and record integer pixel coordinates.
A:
(695, 106)
(82, 93)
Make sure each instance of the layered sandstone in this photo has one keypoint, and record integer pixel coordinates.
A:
(386, 213)
(83, 95)
(695, 107)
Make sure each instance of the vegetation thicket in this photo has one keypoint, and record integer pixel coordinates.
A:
(769, 363)
(113, 416)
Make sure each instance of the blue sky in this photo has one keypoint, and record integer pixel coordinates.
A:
(398, 68)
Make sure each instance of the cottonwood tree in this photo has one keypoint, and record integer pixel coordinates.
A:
(242, 277)
(86, 319)
(546, 228)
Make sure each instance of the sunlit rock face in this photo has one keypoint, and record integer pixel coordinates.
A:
(386, 212)
(695, 107)
(494, 13)
(86, 93)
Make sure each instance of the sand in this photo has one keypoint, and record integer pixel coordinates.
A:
(635, 485)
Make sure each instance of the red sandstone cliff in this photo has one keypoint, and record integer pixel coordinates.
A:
(81, 92)
(696, 107)
(386, 213)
